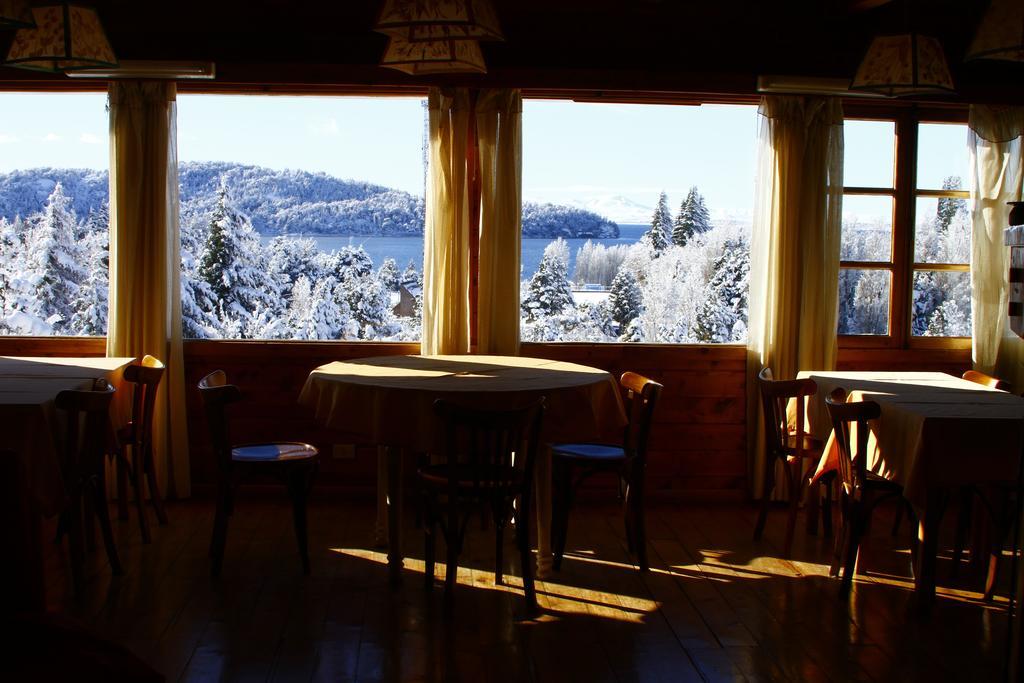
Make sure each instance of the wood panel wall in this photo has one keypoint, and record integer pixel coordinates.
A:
(698, 444)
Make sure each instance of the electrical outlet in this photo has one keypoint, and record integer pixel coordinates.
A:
(344, 451)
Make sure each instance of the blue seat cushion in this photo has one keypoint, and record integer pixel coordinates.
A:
(273, 452)
(588, 451)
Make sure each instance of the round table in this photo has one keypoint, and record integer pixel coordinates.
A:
(388, 401)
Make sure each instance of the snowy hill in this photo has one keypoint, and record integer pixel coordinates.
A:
(283, 202)
(617, 208)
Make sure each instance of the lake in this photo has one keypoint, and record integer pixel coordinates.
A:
(405, 249)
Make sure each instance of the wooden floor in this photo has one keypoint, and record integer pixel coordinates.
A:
(715, 606)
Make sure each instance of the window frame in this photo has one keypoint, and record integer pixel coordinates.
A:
(904, 194)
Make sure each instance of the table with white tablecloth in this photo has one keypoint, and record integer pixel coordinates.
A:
(388, 401)
(936, 433)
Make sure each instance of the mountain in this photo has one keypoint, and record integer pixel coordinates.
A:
(284, 202)
(616, 208)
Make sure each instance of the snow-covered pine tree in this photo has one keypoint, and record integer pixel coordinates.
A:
(693, 218)
(948, 207)
(89, 315)
(723, 314)
(234, 268)
(548, 291)
(661, 226)
(412, 279)
(388, 275)
(625, 300)
(54, 262)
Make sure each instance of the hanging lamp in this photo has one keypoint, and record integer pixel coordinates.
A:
(904, 65)
(1000, 34)
(434, 56)
(66, 37)
(15, 14)
(432, 20)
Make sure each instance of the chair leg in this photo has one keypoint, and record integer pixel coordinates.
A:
(795, 490)
(842, 538)
(1003, 527)
(826, 512)
(898, 519)
(636, 527)
(526, 563)
(122, 484)
(154, 489)
(560, 510)
(140, 495)
(454, 538)
(813, 501)
(103, 514)
(430, 541)
(76, 546)
(89, 522)
(220, 529)
(766, 497)
(299, 484)
(499, 547)
(856, 523)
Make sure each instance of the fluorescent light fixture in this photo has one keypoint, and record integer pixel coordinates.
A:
(810, 85)
(144, 69)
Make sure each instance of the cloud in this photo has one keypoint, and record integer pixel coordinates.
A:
(323, 126)
(51, 137)
(5, 138)
(90, 139)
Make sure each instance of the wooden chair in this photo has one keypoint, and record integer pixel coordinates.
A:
(138, 436)
(488, 462)
(573, 463)
(290, 462)
(792, 446)
(986, 380)
(861, 489)
(87, 415)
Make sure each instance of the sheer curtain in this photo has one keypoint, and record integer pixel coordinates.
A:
(794, 249)
(995, 139)
(145, 292)
(446, 268)
(499, 140)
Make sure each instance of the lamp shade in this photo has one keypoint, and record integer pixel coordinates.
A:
(434, 57)
(432, 20)
(66, 37)
(904, 65)
(15, 14)
(1001, 33)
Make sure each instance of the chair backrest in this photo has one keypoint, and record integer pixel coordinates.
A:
(87, 430)
(775, 398)
(146, 376)
(494, 448)
(217, 394)
(641, 396)
(852, 462)
(986, 380)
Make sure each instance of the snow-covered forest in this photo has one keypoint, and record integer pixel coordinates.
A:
(684, 281)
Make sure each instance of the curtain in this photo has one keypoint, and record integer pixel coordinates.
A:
(499, 138)
(446, 267)
(794, 248)
(145, 294)
(997, 167)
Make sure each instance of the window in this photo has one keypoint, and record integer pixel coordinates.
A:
(301, 217)
(636, 222)
(53, 214)
(906, 230)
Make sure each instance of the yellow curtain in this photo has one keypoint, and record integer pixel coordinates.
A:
(145, 295)
(446, 271)
(499, 139)
(995, 139)
(794, 248)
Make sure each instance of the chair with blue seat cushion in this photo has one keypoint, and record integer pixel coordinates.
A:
(292, 463)
(572, 463)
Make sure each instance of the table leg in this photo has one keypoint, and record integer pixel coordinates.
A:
(394, 503)
(380, 526)
(928, 546)
(542, 500)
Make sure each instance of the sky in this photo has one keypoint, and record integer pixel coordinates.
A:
(580, 153)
